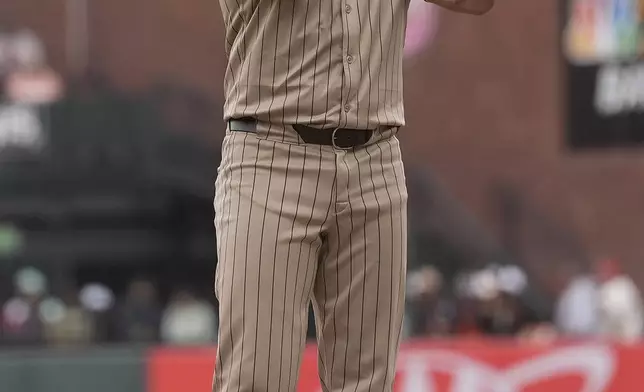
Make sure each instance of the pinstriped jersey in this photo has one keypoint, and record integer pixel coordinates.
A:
(326, 63)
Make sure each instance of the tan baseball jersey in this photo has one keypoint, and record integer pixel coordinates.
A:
(320, 62)
(299, 222)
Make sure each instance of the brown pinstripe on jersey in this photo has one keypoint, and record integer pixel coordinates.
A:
(330, 63)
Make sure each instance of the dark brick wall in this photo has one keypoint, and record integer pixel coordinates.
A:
(490, 94)
(46, 17)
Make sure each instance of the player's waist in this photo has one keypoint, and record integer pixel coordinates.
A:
(337, 137)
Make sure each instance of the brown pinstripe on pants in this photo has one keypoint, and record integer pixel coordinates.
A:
(299, 223)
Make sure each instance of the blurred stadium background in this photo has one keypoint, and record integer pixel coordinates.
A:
(525, 170)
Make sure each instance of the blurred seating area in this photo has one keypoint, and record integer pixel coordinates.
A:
(600, 304)
(486, 302)
(37, 315)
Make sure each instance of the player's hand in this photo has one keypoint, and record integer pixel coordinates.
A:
(474, 7)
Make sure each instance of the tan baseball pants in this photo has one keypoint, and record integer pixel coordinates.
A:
(298, 223)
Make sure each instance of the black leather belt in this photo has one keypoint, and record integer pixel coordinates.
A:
(341, 138)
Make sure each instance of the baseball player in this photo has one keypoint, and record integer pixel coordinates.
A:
(310, 201)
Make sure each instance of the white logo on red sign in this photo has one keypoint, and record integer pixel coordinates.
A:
(595, 365)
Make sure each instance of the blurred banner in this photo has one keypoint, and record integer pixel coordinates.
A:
(603, 47)
(96, 369)
(454, 366)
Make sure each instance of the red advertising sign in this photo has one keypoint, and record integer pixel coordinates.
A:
(459, 366)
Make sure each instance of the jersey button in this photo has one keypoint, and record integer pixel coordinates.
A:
(347, 9)
(347, 108)
(349, 59)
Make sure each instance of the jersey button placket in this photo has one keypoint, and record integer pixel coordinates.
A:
(351, 35)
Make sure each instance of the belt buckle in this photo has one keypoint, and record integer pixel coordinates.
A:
(334, 138)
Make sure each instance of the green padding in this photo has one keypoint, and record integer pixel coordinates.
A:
(12, 374)
(104, 370)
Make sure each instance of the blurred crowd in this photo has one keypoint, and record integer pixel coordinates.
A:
(604, 303)
(37, 315)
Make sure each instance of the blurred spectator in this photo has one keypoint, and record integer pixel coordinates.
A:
(21, 323)
(466, 323)
(188, 320)
(500, 315)
(576, 308)
(66, 321)
(430, 314)
(21, 130)
(620, 303)
(30, 80)
(98, 300)
(501, 312)
(139, 315)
